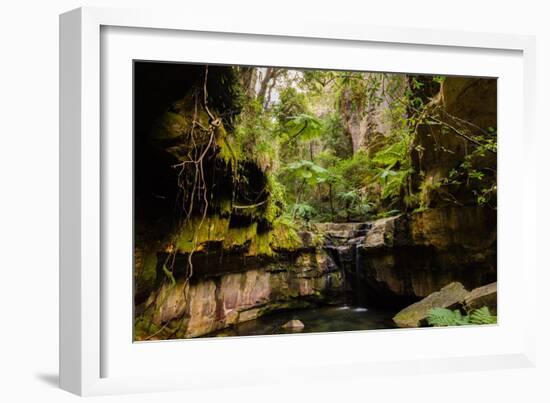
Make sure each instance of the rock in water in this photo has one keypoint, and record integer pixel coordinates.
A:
(449, 296)
(482, 296)
(294, 324)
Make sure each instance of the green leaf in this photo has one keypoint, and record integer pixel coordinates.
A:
(482, 316)
(446, 317)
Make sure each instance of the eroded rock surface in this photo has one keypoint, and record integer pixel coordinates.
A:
(482, 296)
(191, 309)
(415, 315)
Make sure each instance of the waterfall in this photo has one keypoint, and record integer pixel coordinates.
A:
(343, 242)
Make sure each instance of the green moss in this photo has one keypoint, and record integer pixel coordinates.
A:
(171, 125)
(260, 245)
(194, 234)
(144, 327)
(228, 149)
(276, 204)
(148, 274)
(239, 236)
(225, 207)
(283, 236)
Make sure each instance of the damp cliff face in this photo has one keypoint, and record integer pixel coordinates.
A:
(198, 192)
(212, 248)
(406, 258)
(211, 302)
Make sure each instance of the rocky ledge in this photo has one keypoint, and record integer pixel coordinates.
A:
(195, 308)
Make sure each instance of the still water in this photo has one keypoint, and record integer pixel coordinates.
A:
(322, 319)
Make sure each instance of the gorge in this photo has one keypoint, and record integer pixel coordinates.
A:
(273, 201)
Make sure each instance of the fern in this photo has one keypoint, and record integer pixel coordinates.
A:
(482, 316)
(446, 317)
(390, 156)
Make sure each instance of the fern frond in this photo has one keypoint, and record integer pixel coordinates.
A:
(482, 316)
(446, 317)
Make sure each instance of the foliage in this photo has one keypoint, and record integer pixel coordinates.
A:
(482, 316)
(303, 211)
(447, 317)
(294, 125)
(307, 170)
(303, 127)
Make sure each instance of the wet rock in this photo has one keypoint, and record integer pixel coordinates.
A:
(384, 232)
(482, 296)
(414, 315)
(213, 303)
(338, 233)
(294, 325)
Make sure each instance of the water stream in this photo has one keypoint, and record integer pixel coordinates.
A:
(322, 319)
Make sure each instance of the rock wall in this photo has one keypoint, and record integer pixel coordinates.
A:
(365, 115)
(463, 115)
(209, 303)
(408, 257)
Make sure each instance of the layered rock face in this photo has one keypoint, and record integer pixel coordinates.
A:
(408, 257)
(213, 302)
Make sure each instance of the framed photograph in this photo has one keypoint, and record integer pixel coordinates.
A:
(236, 198)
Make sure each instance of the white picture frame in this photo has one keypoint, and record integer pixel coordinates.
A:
(88, 313)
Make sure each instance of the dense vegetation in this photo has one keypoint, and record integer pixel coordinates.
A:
(259, 152)
(303, 129)
(235, 165)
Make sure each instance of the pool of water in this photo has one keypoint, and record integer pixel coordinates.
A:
(315, 320)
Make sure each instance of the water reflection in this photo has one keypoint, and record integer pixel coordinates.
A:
(323, 319)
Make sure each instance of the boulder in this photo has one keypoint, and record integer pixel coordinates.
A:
(294, 325)
(482, 296)
(414, 315)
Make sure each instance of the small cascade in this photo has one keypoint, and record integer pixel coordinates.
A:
(342, 242)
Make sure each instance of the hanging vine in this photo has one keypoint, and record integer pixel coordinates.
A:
(193, 190)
